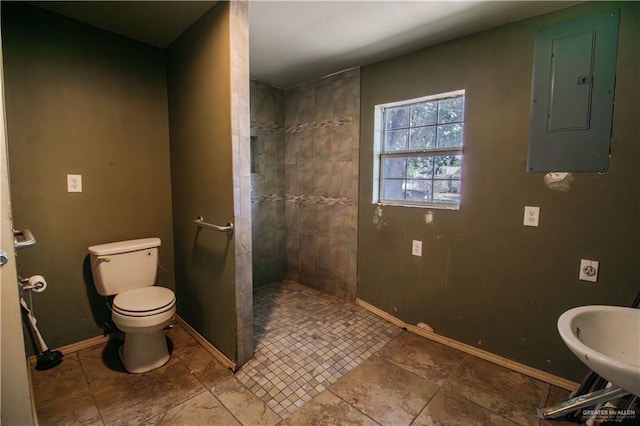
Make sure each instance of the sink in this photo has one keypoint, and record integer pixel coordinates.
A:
(607, 340)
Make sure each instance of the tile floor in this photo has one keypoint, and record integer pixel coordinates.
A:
(346, 366)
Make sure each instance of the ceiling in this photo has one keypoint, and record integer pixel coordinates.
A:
(292, 42)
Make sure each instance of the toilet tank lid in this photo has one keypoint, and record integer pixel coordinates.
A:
(124, 246)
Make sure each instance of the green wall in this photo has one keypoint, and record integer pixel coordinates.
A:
(80, 100)
(199, 87)
(485, 279)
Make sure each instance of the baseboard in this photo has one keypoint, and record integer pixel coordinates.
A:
(75, 347)
(472, 350)
(207, 345)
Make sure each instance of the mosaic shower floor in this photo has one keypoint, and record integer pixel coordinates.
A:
(306, 341)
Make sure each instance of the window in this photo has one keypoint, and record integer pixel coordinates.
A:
(418, 151)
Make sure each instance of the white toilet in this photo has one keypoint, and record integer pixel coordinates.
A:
(141, 310)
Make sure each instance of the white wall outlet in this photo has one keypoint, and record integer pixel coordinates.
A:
(531, 216)
(589, 270)
(74, 183)
(416, 248)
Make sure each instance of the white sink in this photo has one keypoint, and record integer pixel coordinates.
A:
(607, 340)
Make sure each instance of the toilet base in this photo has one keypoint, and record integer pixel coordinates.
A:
(142, 352)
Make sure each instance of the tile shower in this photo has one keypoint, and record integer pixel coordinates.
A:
(304, 183)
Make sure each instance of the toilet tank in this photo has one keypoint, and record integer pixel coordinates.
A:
(124, 265)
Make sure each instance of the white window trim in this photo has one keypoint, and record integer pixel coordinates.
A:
(378, 132)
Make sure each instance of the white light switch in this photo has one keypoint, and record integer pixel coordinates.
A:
(531, 215)
(74, 183)
(416, 248)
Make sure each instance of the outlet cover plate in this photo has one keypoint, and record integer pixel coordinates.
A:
(74, 183)
(531, 215)
(589, 270)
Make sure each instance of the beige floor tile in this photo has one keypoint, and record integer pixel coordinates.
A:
(328, 409)
(101, 363)
(75, 409)
(133, 398)
(243, 404)
(59, 382)
(203, 409)
(204, 366)
(384, 391)
(421, 356)
(449, 409)
(179, 340)
(505, 392)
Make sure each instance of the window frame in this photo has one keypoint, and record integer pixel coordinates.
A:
(379, 155)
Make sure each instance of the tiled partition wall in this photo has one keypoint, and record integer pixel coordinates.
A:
(267, 184)
(321, 182)
(240, 131)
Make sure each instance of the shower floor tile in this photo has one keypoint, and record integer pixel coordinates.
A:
(305, 341)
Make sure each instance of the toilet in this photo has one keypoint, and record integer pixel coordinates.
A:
(128, 269)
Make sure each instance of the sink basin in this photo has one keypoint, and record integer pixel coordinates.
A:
(607, 340)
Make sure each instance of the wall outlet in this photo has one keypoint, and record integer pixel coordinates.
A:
(74, 183)
(589, 270)
(531, 216)
(416, 248)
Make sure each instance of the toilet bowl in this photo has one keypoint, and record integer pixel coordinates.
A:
(142, 314)
(127, 269)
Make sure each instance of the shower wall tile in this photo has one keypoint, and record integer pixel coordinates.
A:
(341, 179)
(291, 212)
(342, 143)
(322, 219)
(306, 219)
(306, 104)
(321, 121)
(323, 138)
(306, 146)
(341, 223)
(324, 102)
(292, 146)
(323, 252)
(306, 182)
(322, 175)
(269, 183)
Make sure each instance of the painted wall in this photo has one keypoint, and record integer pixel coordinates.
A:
(199, 88)
(321, 182)
(83, 101)
(267, 184)
(484, 279)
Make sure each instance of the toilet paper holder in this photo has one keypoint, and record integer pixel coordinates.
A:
(35, 283)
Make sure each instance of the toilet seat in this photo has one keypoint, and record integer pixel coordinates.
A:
(144, 302)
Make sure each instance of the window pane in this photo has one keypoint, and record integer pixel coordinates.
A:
(423, 138)
(451, 110)
(446, 191)
(449, 135)
(448, 166)
(394, 167)
(418, 190)
(396, 118)
(419, 167)
(392, 189)
(424, 114)
(396, 140)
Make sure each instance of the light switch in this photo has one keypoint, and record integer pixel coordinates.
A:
(416, 248)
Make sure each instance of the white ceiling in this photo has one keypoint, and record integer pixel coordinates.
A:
(292, 42)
